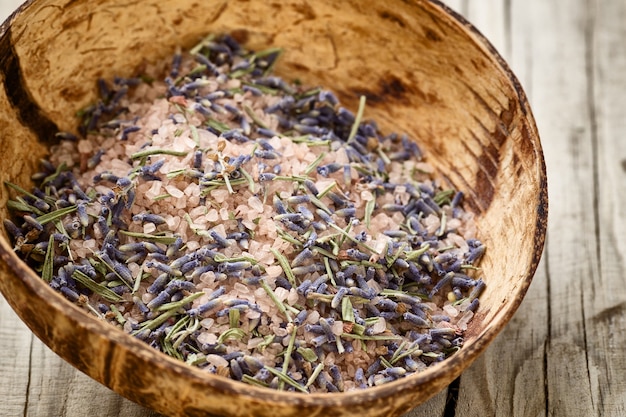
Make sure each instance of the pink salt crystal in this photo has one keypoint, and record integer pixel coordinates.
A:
(280, 332)
(268, 228)
(254, 342)
(255, 204)
(85, 146)
(380, 244)
(450, 310)
(444, 325)
(224, 214)
(313, 317)
(241, 288)
(366, 195)
(193, 245)
(172, 222)
(260, 293)
(432, 223)
(184, 142)
(249, 224)
(215, 360)
(424, 167)
(453, 223)
(379, 326)
(149, 228)
(220, 195)
(206, 138)
(341, 157)
(264, 256)
(337, 327)
(182, 230)
(465, 319)
(120, 165)
(154, 190)
(173, 191)
(212, 215)
(296, 375)
(329, 358)
(458, 241)
(193, 200)
(281, 293)
(293, 296)
(134, 268)
(220, 229)
(67, 159)
(90, 244)
(200, 221)
(322, 183)
(192, 189)
(207, 323)
(252, 314)
(181, 203)
(274, 271)
(208, 278)
(397, 220)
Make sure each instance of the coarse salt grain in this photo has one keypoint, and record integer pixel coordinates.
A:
(450, 310)
(274, 271)
(465, 319)
(85, 146)
(281, 293)
(174, 191)
(216, 360)
(193, 245)
(207, 323)
(256, 204)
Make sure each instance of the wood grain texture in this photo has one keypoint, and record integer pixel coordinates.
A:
(562, 354)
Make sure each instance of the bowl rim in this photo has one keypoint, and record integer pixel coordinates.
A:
(458, 362)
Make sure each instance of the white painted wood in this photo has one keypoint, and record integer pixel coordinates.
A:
(561, 355)
(491, 18)
(605, 301)
(7, 7)
(15, 344)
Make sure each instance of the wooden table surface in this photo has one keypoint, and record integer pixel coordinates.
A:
(563, 353)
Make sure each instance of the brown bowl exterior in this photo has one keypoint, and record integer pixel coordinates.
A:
(423, 69)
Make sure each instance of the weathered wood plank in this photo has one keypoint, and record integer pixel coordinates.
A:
(561, 96)
(492, 19)
(15, 345)
(563, 53)
(35, 382)
(508, 379)
(431, 408)
(605, 301)
(57, 389)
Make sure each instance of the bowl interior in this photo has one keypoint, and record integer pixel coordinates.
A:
(423, 70)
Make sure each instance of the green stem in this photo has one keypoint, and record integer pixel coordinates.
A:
(357, 119)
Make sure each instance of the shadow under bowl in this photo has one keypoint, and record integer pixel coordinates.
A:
(424, 71)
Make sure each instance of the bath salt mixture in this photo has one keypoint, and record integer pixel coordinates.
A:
(253, 227)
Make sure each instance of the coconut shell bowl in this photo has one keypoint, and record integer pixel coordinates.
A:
(423, 69)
